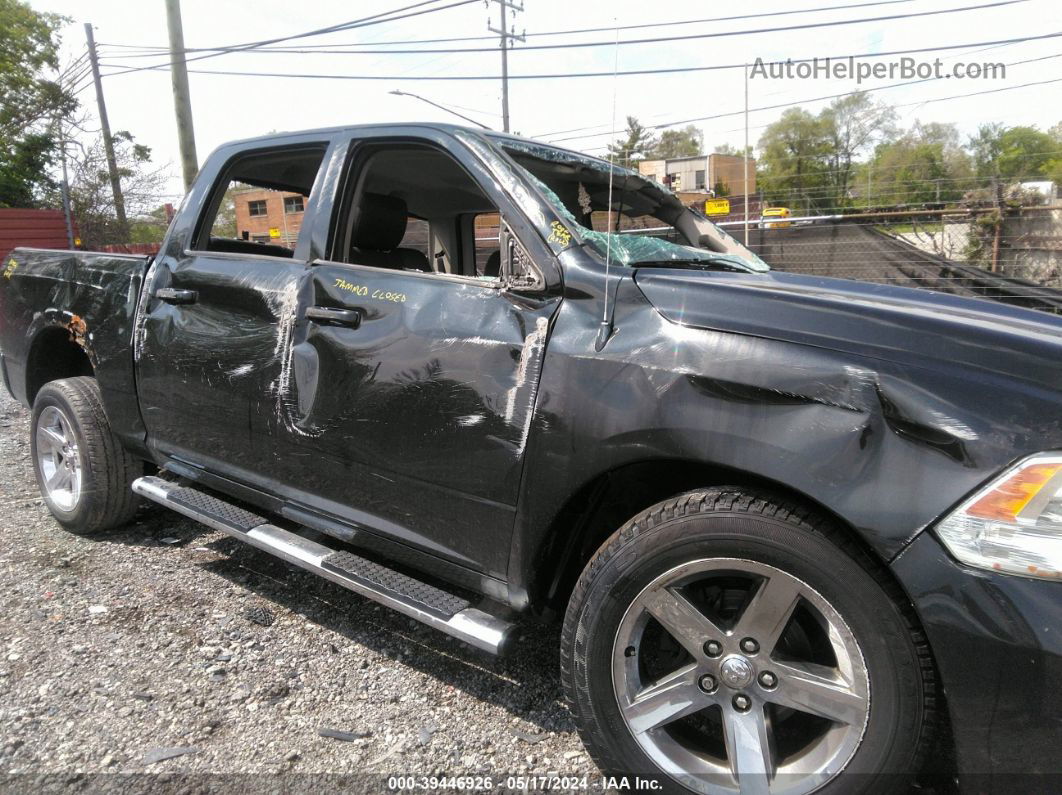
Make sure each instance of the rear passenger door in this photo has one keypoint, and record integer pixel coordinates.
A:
(414, 370)
(221, 303)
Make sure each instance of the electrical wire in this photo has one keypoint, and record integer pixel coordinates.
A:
(656, 40)
(822, 98)
(938, 48)
(375, 19)
(573, 75)
(156, 50)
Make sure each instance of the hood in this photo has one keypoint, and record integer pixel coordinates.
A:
(899, 324)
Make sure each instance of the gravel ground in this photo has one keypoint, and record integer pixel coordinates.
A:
(164, 638)
(167, 648)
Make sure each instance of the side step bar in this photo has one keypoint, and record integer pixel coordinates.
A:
(414, 598)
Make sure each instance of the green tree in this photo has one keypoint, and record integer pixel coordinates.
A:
(24, 163)
(732, 151)
(1024, 153)
(687, 142)
(985, 148)
(1014, 154)
(29, 102)
(794, 160)
(1052, 167)
(925, 164)
(853, 124)
(638, 141)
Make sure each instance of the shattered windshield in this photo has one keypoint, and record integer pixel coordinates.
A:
(645, 224)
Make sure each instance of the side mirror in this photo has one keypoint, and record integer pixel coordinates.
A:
(518, 271)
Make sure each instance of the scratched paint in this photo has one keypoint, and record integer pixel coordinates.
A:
(421, 424)
(520, 401)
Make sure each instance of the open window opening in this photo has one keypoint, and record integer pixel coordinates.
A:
(258, 203)
(414, 208)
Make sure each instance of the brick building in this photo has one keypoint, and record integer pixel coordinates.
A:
(269, 216)
(703, 173)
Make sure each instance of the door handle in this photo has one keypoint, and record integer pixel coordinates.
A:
(171, 295)
(338, 317)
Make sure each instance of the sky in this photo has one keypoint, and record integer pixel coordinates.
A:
(227, 107)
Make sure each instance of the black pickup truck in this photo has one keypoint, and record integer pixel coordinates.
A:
(802, 532)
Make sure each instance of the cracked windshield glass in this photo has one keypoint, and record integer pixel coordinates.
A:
(649, 226)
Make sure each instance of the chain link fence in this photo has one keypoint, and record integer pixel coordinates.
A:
(1014, 256)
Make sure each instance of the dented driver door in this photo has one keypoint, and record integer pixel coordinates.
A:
(418, 394)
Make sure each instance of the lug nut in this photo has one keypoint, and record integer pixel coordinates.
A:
(768, 680)
(707, 683)
(742, 703)
(713, 648)
(749, 646)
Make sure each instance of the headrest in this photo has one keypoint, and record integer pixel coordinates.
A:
(380, 223)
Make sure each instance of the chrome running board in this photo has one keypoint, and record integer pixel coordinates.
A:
(419, 600)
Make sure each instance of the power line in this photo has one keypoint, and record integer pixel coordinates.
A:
(813, 99)
(938, 48)
(376, 19)
(572, 75)
(668, 39)
(156, 50)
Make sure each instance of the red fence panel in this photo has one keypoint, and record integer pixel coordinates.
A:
(34, 228)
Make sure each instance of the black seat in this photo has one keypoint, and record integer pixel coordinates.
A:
(492, 267)
(379, 226)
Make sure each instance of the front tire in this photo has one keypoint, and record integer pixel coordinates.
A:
(725, 641)
(84, 474)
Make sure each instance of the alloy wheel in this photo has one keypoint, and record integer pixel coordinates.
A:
(733, 675)
(58, 459)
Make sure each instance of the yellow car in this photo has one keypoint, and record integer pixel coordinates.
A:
(768, 220)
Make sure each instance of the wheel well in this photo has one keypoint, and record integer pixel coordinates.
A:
(54, 354)
(601, 507)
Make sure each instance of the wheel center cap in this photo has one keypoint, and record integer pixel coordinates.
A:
(736, 672)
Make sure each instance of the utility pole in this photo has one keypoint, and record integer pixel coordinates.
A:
(64, 186)
(108, 142)
(182, 101)
(746, 175)
(997, 231)
(507, 33)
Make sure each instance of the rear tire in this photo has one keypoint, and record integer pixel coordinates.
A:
(83, 472)
(726, 640)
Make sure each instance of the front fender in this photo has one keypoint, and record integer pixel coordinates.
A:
(886, 446)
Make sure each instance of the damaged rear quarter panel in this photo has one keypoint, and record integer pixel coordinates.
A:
(885, 428)
(93, 298)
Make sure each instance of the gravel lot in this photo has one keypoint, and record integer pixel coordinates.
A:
(167, 648)
(166, 637)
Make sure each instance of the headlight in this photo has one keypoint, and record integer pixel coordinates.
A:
(1014, 525)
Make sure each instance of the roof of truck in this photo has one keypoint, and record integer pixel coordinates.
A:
(445, 127)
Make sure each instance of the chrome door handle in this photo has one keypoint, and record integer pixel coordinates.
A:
(172, 295)
(338, 317)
